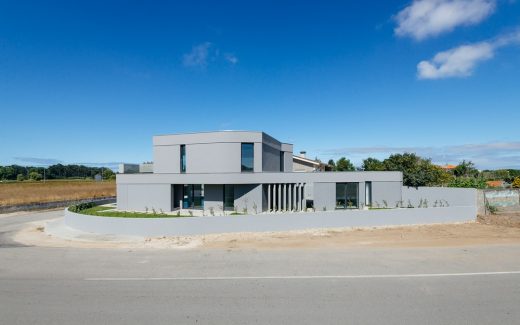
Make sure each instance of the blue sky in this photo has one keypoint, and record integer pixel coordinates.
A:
(93, 81)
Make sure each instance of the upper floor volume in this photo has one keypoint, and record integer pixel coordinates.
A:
(220, 152)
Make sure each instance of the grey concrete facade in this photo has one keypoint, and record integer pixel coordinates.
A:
(213, 159)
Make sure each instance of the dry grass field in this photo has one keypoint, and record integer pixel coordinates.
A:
(16, 193)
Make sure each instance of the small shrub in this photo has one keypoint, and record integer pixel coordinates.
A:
(385, 204)
(190, 213)
(255, 207)
(493, 209)
(410, 205)
(178, 213)
(244, 210)
(324, 208)
(146, 209)
(212, 211)
(81, 206)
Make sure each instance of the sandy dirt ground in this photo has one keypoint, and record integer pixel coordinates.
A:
(440, 235)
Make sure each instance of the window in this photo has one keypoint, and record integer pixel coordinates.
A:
(183, 158)
(229, 196)
(247, 157)
(282, 166)
(347, 195)
(368, 193)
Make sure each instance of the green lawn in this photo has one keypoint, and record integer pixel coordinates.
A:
(102, 211)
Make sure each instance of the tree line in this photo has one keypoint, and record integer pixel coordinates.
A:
(58, 171)
(418, 171)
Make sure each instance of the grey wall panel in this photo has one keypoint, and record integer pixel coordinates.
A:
(122, 196)
(386, 191)
(208, 158)
(166, 159)
(270, 159)
(247, 196)
(151, 196)
(213, 197)
(454, 196)
(287, 147)
(288, 161)
(208, 137)
(266, 222)
(324, 196)
(257, 157)
(258, 178)
(270, 141)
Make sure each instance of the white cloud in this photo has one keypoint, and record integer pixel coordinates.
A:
(205, 53)
(198, 57)
(427, 18)
(461, 61)
(484, 155)
(231, 58)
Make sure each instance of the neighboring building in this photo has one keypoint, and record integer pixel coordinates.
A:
(128, 168)
(448, 167)
(146, 167)
(498, 183)
(245, 171)
(304, 164)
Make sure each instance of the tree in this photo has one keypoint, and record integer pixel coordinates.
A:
(35, 176)
(20, 177)
(108, 174)
(344, 164)
(373, 164)
(516, 182)
(465, 168)
(331, 164)
(416, 170)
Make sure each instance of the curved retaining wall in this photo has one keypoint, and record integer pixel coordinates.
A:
(266, 222)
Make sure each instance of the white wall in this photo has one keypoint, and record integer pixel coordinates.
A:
(266, 222)
(454, 196)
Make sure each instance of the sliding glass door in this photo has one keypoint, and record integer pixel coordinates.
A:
(193, 196)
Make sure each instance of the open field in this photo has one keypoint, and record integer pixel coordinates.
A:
(16, 193)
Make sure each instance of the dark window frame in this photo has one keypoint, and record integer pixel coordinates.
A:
(243, 168)
(343, 201)
(183, 158)
(232, 206)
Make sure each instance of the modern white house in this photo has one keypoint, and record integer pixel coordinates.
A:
(246, 171)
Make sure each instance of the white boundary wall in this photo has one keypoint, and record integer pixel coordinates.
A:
(456, 197)
(183, 226)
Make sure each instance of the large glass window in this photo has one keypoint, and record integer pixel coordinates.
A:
(347, 195)
(183, 158)
(229, 196)
(247, 157)
(193, 196)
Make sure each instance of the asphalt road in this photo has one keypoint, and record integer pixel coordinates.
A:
(370, 286)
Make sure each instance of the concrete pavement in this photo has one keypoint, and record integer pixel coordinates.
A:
(120, 286)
